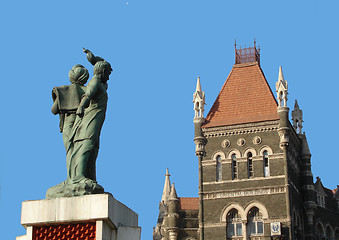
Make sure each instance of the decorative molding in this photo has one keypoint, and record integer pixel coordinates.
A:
(223, 224)
(212, 225)
(229, 154)
(245, 192)
(266, 148)
(244, 180)
(241, 129)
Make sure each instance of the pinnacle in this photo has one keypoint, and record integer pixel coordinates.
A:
(173, 194)
(167, 187)
(198, 88)
(281, 76)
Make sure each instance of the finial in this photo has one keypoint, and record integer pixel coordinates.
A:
(254, 43)
(235, 43)
(167, 174)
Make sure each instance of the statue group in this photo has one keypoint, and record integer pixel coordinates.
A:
(82, 111)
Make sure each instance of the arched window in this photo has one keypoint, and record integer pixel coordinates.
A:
(249, 165)
(234, 167)
(255, 224)
(336, 234)
(297, 227)
(329, 233)
(266, 164)
(319, 231)
(234, 225)
(219, 168)
(197, 109)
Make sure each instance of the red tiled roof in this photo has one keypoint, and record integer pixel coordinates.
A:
(189, 203)
(245, 97)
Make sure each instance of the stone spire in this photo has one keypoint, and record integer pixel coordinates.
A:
(167, 188)
(199, 101)
(297, 118)
(281, 89)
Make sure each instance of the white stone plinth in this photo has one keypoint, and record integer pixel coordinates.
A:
(114, 221)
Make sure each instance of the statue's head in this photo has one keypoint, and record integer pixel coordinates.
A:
(102, 69)
(78, 74)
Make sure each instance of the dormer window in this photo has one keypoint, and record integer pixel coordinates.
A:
(320, 200)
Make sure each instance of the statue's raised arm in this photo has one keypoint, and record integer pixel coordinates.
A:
(91, 58)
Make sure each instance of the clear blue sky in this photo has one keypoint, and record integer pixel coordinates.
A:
(157, 49)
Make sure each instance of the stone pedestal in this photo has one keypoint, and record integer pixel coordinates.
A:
(89, 217)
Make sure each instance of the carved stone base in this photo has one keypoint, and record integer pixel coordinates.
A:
(72, 190)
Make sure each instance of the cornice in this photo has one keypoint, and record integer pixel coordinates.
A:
(244, 192)
(241, 129)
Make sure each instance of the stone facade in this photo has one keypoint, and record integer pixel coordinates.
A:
(255, 176)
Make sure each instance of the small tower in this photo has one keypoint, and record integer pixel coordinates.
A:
(159, 230)
(281, 89)
(307, 187)
(172, 216)
(297, 118)
(199, 102)
(200, 142)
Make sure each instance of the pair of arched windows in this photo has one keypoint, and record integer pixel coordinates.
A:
(234, 166)
(266, 168)
(254, 225)
(219, 167)
(326, 233)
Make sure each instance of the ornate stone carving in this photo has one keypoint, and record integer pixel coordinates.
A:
(256, 140)
(241, 142)
(225, 143)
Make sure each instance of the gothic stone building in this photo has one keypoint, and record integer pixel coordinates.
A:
(255, 176)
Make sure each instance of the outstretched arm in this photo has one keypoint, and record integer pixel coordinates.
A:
(91, 58)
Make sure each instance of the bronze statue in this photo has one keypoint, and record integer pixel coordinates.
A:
(82, 113)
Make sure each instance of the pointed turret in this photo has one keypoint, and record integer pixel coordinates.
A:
(173, 194)
(199, 101)
(167, 188)
(283, 110)
(307, 187)
(297, 118)
(305, 150)
(281, 89)
(173, 216)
